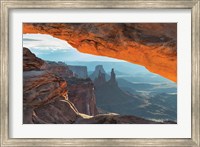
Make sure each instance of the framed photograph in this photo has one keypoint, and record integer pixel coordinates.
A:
(100, 73)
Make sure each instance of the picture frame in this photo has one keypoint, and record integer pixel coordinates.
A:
(7, 5)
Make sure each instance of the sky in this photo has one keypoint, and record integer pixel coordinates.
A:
(53, 49)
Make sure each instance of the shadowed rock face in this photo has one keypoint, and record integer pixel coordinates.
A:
(56, 112)
(45, 99)
(111, 98)
(81, 94)
(80, 91)
(151, 45)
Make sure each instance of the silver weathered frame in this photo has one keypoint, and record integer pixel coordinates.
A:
(6, 5)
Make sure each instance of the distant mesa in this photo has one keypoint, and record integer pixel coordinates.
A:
(95, 74)
(79, 71)
(100, 80)
(60, 69)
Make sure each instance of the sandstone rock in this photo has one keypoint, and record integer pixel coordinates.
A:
(56, 112)
(27, 114)
(45, 96)
(39, 87)
(81, 94)
(30, 61)
(42, 95)
(153, 45)
(80, 91)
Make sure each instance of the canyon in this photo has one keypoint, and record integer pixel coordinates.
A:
(152, 45)
(53, 95)
(118, 95)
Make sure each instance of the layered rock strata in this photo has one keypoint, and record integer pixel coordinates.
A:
(81, 94)
(45, 98)
(153, 45)
(45, 92)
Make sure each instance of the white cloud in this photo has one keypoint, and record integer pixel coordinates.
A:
(44, 42)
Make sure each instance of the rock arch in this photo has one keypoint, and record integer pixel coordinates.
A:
(153, 45)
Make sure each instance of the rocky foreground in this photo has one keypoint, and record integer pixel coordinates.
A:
(52, 95)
